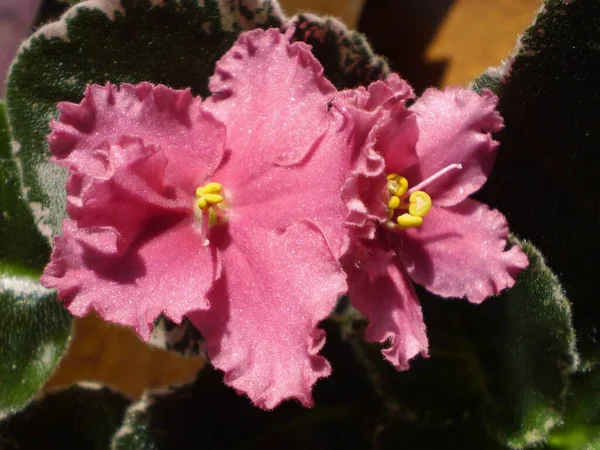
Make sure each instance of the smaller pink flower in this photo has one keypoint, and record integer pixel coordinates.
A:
(413, 217)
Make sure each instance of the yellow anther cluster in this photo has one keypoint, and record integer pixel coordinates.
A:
(209, 195)
(419, 202)
(397, 185)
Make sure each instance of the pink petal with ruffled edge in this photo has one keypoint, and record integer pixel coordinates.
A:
(454, 128)
(262, 327)
(132, 289)
(460, 251)
(133, 251)
(383, 293)
(286, 161)
(131, 196)
(384, 135)
(160, 116)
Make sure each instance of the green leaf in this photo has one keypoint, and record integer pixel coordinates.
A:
(581, 428)
(209, 414)
(501, 366)
(545, 178)
(81, 417)
(34, 330)
(24, 251)
(176, 43)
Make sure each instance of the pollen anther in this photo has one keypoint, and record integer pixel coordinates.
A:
(420, 204)
(208, 195)
(394, 202)
(397, 185)
(408, 220)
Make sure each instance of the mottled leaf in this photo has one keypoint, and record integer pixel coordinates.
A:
(34, 327)
(209, 414)
(34, 330)
(81, 417)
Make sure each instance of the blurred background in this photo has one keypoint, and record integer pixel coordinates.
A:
(429, 42)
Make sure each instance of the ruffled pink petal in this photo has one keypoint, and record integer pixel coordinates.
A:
(261, 329)
(460, 251)
(288, 158)
(396, 139)
(454, 128)
(384, 134)
(190, 137)
(132, 193)
(380, 289)
(167, 271)
(274, 99)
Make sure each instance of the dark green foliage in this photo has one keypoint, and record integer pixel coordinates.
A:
(34, 327)
(34, 330)
(24, 251)
(501, 366)
(546, 176)
(581, 428)
(79, 418)
(207, 413)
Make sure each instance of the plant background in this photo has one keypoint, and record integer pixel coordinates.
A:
(504, 364)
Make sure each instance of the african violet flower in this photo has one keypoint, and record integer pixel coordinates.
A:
(413, 219)
(226, 211)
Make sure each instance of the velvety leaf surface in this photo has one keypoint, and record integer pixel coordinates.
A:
(212, 415)
(546, 176)
(176, 43)
(24, 251)
(34, 328)
(581, 427)
(77, 418)
(501, 366)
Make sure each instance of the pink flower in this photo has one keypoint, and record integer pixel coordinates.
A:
(225, 211)
(411, 212)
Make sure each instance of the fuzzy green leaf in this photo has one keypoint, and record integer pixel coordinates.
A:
(24, 251)
(501, 366)
(176, 43)
(34, 330)
(549, 158)
(81, 417)
(581, 428)
(211, 415)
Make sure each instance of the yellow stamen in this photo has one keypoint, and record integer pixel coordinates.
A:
(213, 198)
(212, 188)
(420, 204)
(406, 221)
(208, 195)
(397, 185)
(394, 202)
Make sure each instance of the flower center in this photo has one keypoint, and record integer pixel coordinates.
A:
(209, 195)
(208, 207)
(415, 202)
(418, 204)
